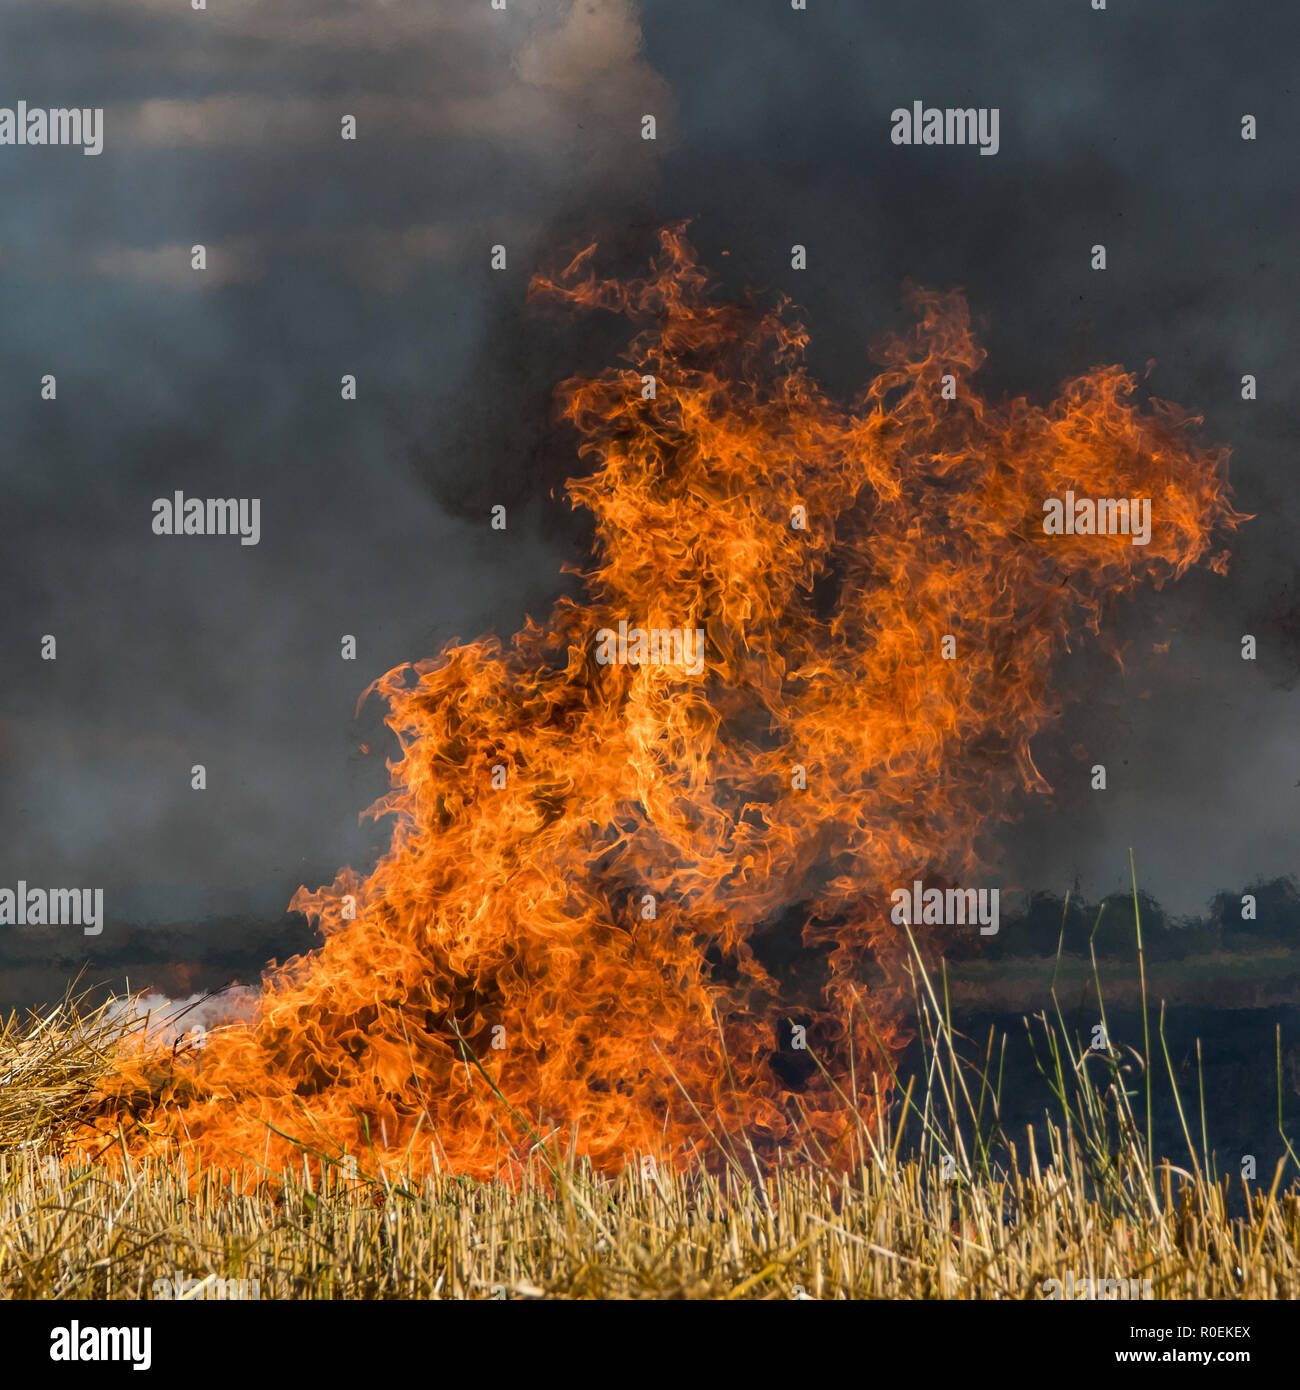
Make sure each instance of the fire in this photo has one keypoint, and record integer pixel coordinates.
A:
(615, 886)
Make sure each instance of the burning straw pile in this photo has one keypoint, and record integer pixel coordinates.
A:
(614, 885)
(52, 1065)
(618, 888)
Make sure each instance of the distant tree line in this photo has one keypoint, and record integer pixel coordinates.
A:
(1262, 916)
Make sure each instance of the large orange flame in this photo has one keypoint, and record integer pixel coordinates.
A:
(613, 889)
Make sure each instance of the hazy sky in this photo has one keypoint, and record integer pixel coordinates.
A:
(371, 258)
